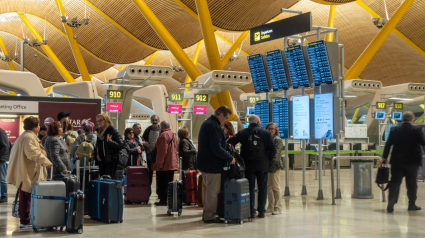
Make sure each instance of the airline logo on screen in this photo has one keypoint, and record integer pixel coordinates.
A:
(262, 35)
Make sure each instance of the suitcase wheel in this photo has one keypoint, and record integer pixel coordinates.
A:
(80, 231)
(61, 228)
(35, 229)
(108, 221)
(250, 219)
(226, 221)
(121, 220)
(241, 222)
(168, 213)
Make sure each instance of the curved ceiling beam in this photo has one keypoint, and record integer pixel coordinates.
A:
(61, 32)
(122, 29)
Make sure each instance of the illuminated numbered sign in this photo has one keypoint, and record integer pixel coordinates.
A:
(201, 97)
(114, 94)
(381, 105)
(177, 97)
(253, 99)
(398, 105)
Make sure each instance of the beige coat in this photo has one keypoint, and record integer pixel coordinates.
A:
(25, 161)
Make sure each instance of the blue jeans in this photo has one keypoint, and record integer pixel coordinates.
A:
(3, 184)
(262, 190)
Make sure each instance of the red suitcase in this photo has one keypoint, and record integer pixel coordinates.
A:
(137, 188)
(190, 187)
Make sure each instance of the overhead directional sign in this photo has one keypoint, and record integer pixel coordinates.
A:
(282, 28)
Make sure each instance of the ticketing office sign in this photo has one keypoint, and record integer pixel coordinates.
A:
(282, 28)
(24, 107)
(398, 106)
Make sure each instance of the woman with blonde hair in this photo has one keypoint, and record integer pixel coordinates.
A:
(273, 183)
(26, 158)
(109, 143)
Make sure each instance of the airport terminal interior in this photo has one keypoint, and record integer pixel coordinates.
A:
(335, 76)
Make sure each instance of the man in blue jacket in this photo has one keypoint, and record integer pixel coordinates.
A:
(257, 152)
(211, 157)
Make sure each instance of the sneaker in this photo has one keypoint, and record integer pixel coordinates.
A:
(414, 208)
(261, 215)
(276, 212)
(3, 199)
(269, 210)
(25, 226)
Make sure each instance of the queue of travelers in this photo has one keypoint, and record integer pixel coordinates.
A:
(158, 148)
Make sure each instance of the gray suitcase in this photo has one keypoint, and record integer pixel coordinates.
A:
(48, 201)
(236, 200)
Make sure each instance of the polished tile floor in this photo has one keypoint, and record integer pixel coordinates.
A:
(303, 216)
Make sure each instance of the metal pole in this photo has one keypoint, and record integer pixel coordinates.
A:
(287, 193)
(318, 33)
(342, 129)
(315, 167)
(285, 41)
(22, 56)
(304, 188)
(338, 189)
(320, 193)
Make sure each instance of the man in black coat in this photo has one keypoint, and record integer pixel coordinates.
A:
(4, 158)
(211, 157)
(259, 167)
(406, 157)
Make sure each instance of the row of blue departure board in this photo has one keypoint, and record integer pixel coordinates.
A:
(279, 114)
(298, 66)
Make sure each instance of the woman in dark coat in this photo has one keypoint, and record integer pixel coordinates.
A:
(109, 143)
(187, 150)
(133, 148)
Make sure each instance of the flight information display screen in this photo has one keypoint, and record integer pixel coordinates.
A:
(280, 116)
(261, 109)
(276, 70)
(297, 68)
(319, 63)
(258, 73)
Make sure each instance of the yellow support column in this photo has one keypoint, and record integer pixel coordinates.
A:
(214, 58)
(62, 70)
(74, 45)
(331, 22)
(213, 55)
(355, 115)
(233, 48)
(376, 43)
(10, 63)
(195, 61)
(168, 40)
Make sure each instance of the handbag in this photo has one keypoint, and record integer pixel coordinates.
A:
(382, 177)
(123, 158)
(15, 204)
(237, 170)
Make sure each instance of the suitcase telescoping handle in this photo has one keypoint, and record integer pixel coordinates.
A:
(180, 168)
(84, 173)
(42, 173)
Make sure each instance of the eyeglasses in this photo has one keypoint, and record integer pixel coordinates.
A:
(100, 120)
(270, 129)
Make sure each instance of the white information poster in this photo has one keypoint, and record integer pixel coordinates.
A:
(356, 131)
(301, 117)
(323, 116)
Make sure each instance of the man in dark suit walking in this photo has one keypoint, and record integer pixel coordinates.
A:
(406, 157)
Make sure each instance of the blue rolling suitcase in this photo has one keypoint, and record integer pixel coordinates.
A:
(236, 200)
(106, 200)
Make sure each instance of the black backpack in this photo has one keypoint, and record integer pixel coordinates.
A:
(256, 148)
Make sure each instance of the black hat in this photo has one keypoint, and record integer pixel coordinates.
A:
(62, 115)
(43, 128)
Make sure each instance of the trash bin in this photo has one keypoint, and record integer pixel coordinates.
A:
(362, 179)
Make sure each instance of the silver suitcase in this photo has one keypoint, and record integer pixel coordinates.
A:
(48, 200)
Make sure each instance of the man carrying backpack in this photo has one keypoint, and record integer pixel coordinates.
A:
(257, 150)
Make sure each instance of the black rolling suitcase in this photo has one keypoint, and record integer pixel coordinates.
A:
(70, 180)
(175, 195)
(90, 172)
(75, 209)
